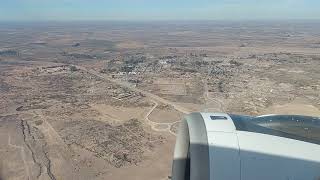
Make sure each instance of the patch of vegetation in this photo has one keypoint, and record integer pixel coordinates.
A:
(9, 52)
(236, 63)
(73, 69)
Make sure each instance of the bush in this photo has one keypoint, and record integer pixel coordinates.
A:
(73, 68)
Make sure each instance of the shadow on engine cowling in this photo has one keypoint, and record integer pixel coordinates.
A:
(254, 165)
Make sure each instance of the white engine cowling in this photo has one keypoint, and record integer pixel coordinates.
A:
(218, 146)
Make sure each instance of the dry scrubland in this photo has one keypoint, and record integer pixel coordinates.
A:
(103, 100)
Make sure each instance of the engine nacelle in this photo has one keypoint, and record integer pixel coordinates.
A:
(218, 146)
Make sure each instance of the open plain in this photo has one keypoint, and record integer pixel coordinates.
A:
(102, 100)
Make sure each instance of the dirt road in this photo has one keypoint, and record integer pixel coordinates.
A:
(156, 126)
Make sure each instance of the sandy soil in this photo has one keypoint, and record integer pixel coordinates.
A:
(165, 115)
(119, 113)
(294, 109)
(83, 102)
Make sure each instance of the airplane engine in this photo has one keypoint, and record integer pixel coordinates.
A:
(218, 146)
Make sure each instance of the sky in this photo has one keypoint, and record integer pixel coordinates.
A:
(135, 10)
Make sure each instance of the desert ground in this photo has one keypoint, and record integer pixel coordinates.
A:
(103, 100)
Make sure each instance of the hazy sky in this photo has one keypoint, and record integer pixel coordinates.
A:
(158, 9)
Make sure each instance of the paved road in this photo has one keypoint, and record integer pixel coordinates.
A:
(129, 86)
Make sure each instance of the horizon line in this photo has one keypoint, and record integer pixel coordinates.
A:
(161, 20)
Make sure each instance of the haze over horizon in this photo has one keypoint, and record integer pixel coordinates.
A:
(136, 10)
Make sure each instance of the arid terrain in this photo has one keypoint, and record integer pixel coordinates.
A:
(103, 100)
